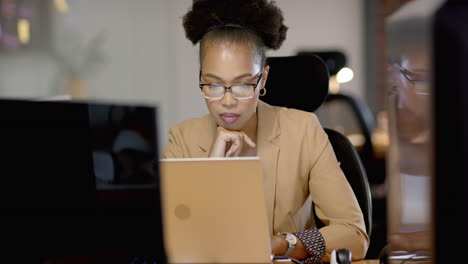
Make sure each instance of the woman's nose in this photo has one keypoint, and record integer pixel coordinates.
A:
(228, 100)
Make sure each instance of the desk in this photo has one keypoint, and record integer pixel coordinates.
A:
(114, 258)
(367, 261)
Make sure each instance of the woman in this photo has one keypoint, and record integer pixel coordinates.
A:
(297, 156)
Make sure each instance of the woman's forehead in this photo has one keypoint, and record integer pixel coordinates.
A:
(415, 61)
(225, 56)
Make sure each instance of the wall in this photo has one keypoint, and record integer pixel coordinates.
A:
(316, 25)
(129, 63)
(142, 54)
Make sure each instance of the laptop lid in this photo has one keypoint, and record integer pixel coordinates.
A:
(214, 211)
(52, 203)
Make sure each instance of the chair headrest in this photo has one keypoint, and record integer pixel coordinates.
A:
(299, 82)
(334, 59)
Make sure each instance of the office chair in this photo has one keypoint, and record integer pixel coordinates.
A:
(350, 116)
(354, 116)
(301, 82)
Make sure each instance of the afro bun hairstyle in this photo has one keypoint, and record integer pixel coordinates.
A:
(263, 16)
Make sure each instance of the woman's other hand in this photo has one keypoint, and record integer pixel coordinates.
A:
(229, 143)
(279, 245)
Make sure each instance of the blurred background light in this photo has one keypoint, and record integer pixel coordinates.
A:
(61, 6)
(24, 31)
(345, 75)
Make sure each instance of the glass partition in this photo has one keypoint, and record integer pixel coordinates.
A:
(409, 102)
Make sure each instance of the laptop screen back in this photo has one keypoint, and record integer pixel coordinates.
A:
(215, 210)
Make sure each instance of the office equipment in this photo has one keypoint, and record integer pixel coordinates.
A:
(348, 114)
(341, 256)
(334, 59)
(409, 96)
(214, 211)
(431, 41)
(353, 118)
(450, 42)
(52, 206)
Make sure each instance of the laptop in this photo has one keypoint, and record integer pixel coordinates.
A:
(53, 205)
(214, 211)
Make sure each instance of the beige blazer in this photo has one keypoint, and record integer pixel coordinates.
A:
(298, 163)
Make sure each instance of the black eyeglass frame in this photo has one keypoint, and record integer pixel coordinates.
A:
(229, 88)
(407, 74)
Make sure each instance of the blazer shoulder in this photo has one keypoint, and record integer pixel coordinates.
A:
(192, 125)
(295, 116)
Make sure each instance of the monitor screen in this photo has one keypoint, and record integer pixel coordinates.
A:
(80, 179)
(451, 123)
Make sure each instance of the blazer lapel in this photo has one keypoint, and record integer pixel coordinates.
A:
(268, 132)
(205, 140)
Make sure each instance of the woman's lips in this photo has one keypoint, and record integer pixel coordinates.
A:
(229, 117)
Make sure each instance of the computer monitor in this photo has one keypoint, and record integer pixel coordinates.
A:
(410, 93)
(79, 180)
(450, 42)
(427, 47)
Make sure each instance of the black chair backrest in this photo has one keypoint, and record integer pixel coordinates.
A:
(301, 82)
(355, 173)
(366, 122)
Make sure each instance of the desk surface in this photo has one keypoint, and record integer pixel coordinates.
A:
(76, 260)
(367, 261)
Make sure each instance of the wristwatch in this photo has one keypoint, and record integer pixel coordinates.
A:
(292, 240)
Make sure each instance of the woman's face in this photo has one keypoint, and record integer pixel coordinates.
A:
(227, 64)
(410, 79)
(416, 97)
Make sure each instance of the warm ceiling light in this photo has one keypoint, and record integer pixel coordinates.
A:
(24, 31)
(61, 6)
(344, 75)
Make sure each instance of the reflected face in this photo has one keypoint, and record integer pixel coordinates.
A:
(228, 64)
(410, 79)
(417, 93)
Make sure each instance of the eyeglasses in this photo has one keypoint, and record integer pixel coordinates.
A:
(415, 77)
(239, 91)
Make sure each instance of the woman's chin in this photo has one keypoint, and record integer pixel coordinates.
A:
(230, 126)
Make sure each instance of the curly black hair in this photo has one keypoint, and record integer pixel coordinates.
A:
(261, 16)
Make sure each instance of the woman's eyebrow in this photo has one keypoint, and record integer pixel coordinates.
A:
(210, 75)
(243, 76)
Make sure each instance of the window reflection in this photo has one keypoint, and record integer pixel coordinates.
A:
(410, 151)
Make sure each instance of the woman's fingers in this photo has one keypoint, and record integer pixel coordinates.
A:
(218, 149)
(230, 143)
(237, 140)
(248, 140)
